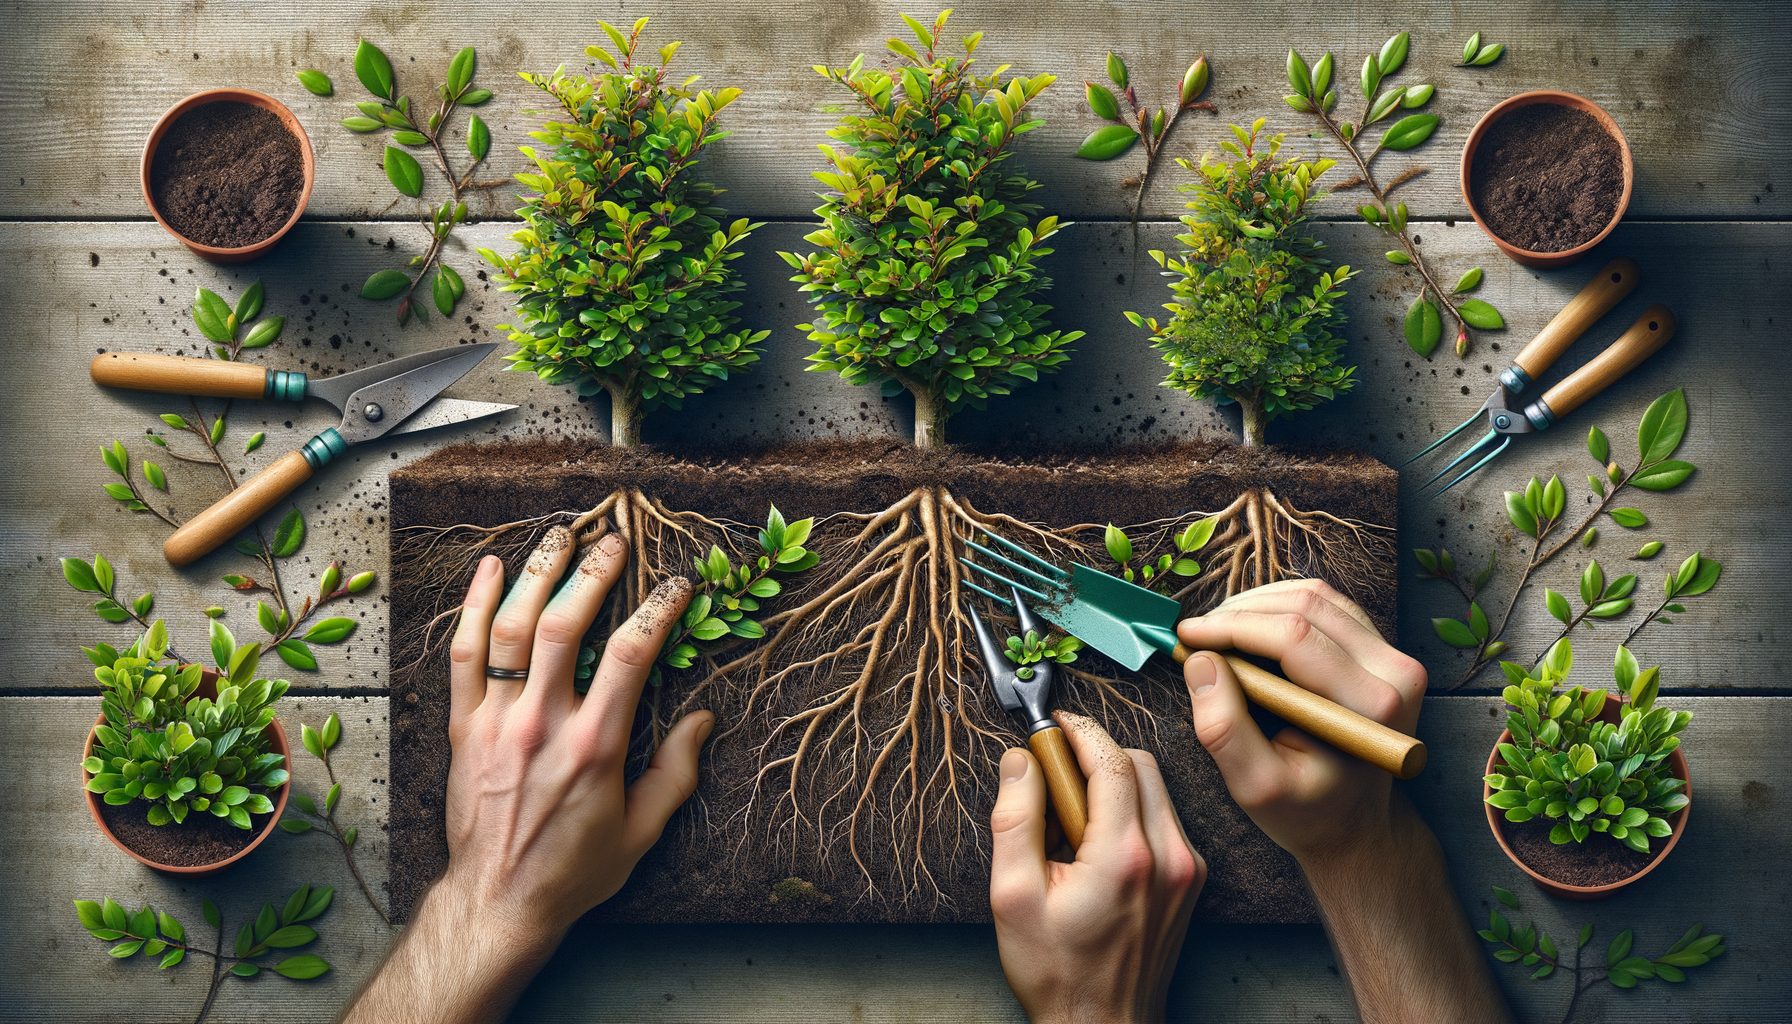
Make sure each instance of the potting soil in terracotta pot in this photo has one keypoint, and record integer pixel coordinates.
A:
(920, 854)
(1600, 860)
(1547, 177)
(227, 174)
(201, 839)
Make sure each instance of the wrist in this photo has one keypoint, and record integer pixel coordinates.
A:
(1366, 852)
(492, 921)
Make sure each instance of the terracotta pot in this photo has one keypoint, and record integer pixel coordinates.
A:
(249, 96)
(1564, 99)
(1496, 821)
(276, 743)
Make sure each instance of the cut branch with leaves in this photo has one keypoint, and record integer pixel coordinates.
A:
(1135, 123)
(308, 814)
(1539, 512)
(1316, 93)
(390, 110)
(1532, 948)
(264, 943)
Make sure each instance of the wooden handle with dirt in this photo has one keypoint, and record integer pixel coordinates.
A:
(1363, 738)
(1651, 331)
(237, 510)
(175, 375)
(1607, 288)
(1064, 781)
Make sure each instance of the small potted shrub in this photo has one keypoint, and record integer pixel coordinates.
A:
(623, 277)
(1587, 791)
(185, 769)
(1254, 315)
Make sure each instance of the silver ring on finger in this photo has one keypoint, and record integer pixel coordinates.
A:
(494, 672)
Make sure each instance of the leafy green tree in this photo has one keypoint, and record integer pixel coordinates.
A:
(1254, 317)
(623, 276)
(929, 250)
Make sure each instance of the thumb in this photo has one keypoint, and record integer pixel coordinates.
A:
(1017, 828)
(1224, 726)
(668, 782)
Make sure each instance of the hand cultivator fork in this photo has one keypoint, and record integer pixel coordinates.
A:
(1128, 623)
(1507, 417)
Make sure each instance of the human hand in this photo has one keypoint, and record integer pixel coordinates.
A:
(1315, 802)
(1096, 938)
(540, 825)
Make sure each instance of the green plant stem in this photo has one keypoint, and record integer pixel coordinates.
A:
(135, 493)
(1647, 619)
(348, 852)
(456, 187)
(1406, 243)
(1154, 147)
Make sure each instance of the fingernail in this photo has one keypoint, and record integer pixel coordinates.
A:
(705, 729)
(1014, 765)
(611, 544)
(1199, 674)
(487, 565)
(665, 603)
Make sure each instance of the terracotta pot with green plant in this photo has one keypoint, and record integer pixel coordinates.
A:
(186, 768)
(1587, 791)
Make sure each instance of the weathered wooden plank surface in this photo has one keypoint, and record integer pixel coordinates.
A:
(1737, 844)
(1725, 281)
(1700, 89)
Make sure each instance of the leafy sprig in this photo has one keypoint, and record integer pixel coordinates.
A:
(724, 606)
(389, 109)
(1031, 649)
(1154, 572)
(1316, 93)
(1136, 123)
(264, 943)
(1532, 948)
(1539, 512)
(1478, 54)
(308, 814)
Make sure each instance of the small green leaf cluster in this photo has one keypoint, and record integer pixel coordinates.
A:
(224, 325)
(1566, 764)
(179, 752)
(928, 255)
(1030, 649)
(1602, 598)
(98, 577)
(390, 110)
(1136, 122)
(1254, 313)
(623, 277)
(1533, 948)
(729, 595)
(1314, 89)
(320, 742)
(1148, 571)
(1476, 54)
(156, 933)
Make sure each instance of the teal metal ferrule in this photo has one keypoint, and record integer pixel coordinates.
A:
(285, 386)
(1514, 379)
(321, 449)
(1539, 414)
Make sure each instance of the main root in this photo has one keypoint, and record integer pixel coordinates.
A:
(861, 726)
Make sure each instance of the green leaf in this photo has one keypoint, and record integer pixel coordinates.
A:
(1393, 52)
(384, 284)
(1470, 48)
(479, 137)
(403, 171)
(1480, 314)
(332, 732)
(1101, 101)
(1488, 55)
(1558, 606)
(1108, 142)
(223, 645)
(1469, 281)
(1118, 545)
(1455, 633)
(1663, 427)
(1629, 518)
(331, 631)
(289, 536)
(254, 441)
(1424, 326)
(1599, 446)
(264, 333)
(213, 316)
(1409, 132)
(374, 70)
(1300, 79)
(296, 654)
(1619, 947)
(248, 304)
(80, 575)
(316, 82)
(1663, 476)
(443, 293)
(460, 71)
(1116, 68)
(290, 937)
(303, 967)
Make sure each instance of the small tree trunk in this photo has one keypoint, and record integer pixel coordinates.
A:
(625, 417)
(1254, 420)
(931, 414)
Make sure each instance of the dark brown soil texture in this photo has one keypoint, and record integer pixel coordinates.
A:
(694, 875)
(1547, 177)
(1600, 860)
(201, 839)
(227, 174)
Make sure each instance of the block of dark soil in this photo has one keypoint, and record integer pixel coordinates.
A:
(227, 174)
(726, 859)
(1547, 177)
(201, 839)
(1598, 861)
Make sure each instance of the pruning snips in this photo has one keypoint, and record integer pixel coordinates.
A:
(1030, 698)
(1508, 416)
(394, 397)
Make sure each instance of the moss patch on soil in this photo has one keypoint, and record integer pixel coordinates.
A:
(724, 855)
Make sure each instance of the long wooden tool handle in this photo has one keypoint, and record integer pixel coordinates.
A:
(1645, 336)
(237, 510)
(1614, 281)
(175, 375)
(1363, 738)
(1064, 781)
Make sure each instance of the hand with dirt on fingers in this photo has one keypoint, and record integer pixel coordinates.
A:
(1097, 938)
(1375, 869)
(541, 825)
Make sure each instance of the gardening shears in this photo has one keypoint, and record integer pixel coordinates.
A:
(394, 397)
(1507, 416)
(1030, 697)
(1129, 623)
